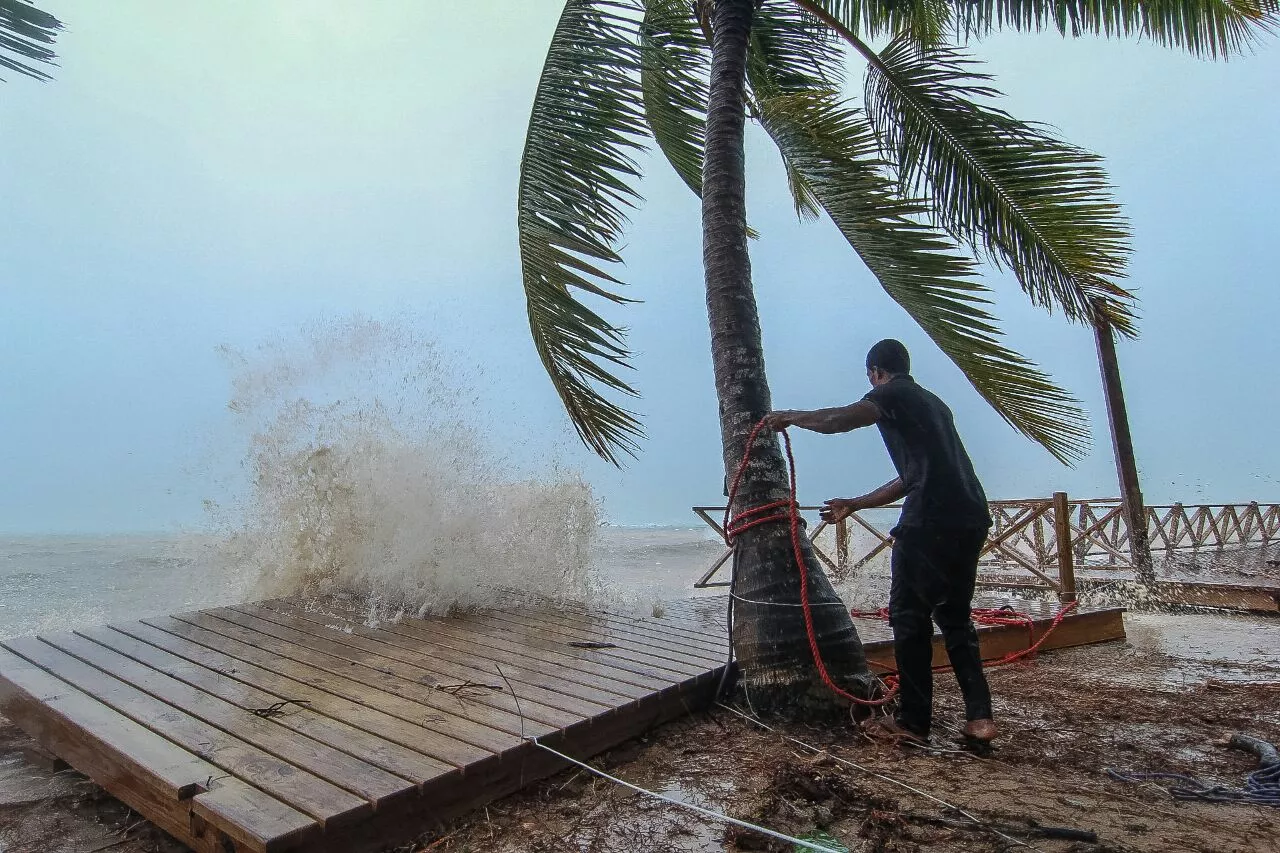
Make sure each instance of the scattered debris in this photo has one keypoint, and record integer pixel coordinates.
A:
(464, 686)
(277, 709)
(1261, 787)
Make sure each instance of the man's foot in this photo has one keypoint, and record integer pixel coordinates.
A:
(891, 731)
(980, 731)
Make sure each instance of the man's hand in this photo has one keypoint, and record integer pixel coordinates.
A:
(838, 509)
(779, 420)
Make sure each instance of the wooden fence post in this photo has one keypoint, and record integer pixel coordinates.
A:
(1066, 558)
(842, 544)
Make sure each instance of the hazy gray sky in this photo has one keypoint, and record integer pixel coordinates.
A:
(202, 174)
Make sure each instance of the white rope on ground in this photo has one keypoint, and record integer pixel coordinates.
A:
(881, 776)
(716, 816)
(785, 603)
(708, 813)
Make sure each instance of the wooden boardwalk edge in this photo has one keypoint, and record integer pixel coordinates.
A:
(583, 741)
(176, 790)
(393, 730)
(158, 714)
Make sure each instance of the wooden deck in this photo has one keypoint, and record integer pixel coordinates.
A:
(1082, 627)
(388, 731)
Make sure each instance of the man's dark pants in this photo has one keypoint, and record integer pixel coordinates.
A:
(934, 572)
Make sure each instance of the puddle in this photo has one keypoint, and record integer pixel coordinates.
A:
(662, 824)
(1223, 647)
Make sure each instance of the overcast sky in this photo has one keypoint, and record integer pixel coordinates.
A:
(206, 174)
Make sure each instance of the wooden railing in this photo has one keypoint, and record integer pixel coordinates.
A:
(1101, 535)
(1179, 527)
(1046, 538)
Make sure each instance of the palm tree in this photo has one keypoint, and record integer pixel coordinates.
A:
(25, 35)
(924, 180)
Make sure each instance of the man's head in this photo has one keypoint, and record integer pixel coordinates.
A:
(886, 360)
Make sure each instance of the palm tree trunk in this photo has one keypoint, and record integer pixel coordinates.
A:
(769, 638)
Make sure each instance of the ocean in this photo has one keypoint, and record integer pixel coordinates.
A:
(60, 582)
(50, 583)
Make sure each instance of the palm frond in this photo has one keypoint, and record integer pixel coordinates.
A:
(1021, 196)
(1215, 29)
(790, 53)
(835, 150)
(926, 22)
(25, 34)
(808, 208)
(675, 63)
(587, 121)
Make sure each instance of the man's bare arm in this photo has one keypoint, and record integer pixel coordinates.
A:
(826, 421)
(838, 509)
(890, 492)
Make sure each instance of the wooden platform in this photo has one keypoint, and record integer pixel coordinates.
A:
(1082, 627)
(387, 731)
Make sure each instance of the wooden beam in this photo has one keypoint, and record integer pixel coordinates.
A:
(1122, 444)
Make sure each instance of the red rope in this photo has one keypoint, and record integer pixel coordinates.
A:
(995, 616)
(754, 517)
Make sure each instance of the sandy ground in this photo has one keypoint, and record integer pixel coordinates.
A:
(1162, 701)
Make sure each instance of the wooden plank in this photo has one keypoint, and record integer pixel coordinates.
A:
(392, 757)
(551, 699)
(139, 767)
(245, 818)
(536, 645)
(456, 716)
(415, 638)
(373, 710)
(297, 788)
(400, 686)
(660, 638)
(707, 617)
(556, 633)
(25, 688)
(700, 627)
(640, 678)
(582, 742)
(546, 698)
(549, 640)
(1077, 629)
(673, 620)
(697, 631)
(665, 645)
(144, 770)
(341, 768)
(619, 679)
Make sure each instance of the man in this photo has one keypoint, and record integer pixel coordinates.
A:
(937, 541)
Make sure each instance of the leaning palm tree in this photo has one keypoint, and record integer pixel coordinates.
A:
(26, 34)
(925, 179)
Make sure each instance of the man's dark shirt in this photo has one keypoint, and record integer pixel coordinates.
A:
(920, 434)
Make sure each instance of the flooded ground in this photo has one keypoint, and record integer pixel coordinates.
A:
(1162, 701)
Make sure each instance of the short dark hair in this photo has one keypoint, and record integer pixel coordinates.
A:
(890, 356)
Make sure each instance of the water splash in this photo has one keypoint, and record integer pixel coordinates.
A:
(371, 476)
